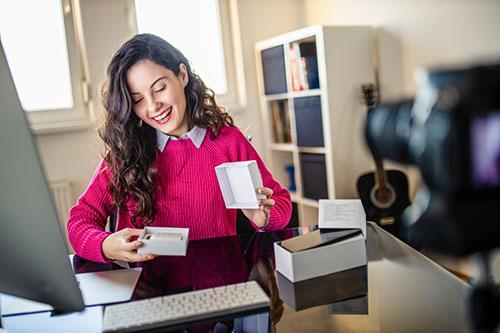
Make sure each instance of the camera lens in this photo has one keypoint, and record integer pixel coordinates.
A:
(387, 131)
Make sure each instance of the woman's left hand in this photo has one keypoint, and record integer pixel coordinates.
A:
(260, 216)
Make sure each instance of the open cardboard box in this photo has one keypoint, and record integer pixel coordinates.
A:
(239, 182)
(335, 251)
(164, 241)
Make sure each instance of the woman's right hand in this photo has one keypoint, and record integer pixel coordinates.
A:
(119, 246)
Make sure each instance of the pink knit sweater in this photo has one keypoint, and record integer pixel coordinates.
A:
(188, 194)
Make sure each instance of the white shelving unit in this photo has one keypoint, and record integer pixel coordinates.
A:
(330, 168)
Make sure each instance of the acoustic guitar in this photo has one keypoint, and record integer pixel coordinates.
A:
(384, 194)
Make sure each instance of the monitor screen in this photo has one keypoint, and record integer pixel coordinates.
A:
(33, 253)
(485, 150)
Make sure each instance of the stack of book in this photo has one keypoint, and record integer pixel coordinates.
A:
(304, 66)
(281, 122)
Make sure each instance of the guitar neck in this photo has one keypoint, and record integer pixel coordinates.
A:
(370, 97)
(380, 175)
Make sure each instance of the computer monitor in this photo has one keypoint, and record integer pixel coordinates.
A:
(34, 260)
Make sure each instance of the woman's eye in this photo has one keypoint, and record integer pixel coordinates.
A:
(137, 101)
(161, 89)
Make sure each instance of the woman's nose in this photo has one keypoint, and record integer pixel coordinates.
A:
(153, 106)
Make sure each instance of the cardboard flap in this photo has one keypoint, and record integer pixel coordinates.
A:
(342, 214)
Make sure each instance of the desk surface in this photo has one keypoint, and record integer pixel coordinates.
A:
(399, 289)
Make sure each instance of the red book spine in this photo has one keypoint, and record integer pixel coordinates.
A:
(294, 68)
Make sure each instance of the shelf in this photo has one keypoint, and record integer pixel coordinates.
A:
(317, 81)
(292, 94)
(279, 117)
(282, 168)
(275, 97)
(309, 202)
(308, 215)
(283, 147)
(304, 93)
(312, 150)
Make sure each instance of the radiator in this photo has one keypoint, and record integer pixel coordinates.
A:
(63, 200)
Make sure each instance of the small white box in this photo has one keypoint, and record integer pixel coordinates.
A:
(164, 241)
(332, 257)
(238, 182)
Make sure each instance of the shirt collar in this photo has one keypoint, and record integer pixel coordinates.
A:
(196, 134)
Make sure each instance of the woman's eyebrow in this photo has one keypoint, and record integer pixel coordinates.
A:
(158, 79)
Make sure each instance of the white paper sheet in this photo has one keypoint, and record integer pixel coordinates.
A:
(97, 288)
(342, 213)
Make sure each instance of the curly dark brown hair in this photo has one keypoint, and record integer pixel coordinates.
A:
(131, 149)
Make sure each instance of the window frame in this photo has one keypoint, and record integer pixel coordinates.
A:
(236, 98)
(82, 115)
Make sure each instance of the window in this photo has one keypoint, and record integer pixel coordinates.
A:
(197, 34)
(39, 87)
(206, 32)
(40, 45)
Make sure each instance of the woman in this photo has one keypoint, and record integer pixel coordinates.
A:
(164, 135)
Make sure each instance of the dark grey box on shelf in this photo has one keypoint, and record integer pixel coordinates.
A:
(314, 176)
(308, 121)
(273, 66)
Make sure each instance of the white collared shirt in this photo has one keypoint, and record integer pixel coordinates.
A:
(196, 134)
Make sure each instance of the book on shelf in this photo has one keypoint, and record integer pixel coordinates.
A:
(305, 74)
(286, 115)
(300, 66)
(276, 120)
(294, 69)
(309, 61)
(281, 122)
(304, 66)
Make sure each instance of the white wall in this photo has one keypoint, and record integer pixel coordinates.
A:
(259, 20)
(414, 33)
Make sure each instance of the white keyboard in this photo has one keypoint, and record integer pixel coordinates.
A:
(185, 309)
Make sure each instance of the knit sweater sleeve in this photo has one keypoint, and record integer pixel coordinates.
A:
(87, 219)
(282, 210)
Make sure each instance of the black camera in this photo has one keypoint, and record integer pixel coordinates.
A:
(451, 132)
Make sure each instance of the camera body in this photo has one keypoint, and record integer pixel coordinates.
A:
(451, 132)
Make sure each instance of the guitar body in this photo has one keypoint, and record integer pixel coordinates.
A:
(387, 215)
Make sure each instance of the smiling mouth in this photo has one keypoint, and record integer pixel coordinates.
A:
(163, 116)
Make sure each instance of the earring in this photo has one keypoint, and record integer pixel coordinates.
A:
(139, 123)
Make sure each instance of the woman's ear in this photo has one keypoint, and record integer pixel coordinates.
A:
(183, 74)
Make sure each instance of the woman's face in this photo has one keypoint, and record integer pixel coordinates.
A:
(158, 96)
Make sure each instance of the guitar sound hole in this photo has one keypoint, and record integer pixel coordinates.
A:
(383, 197)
